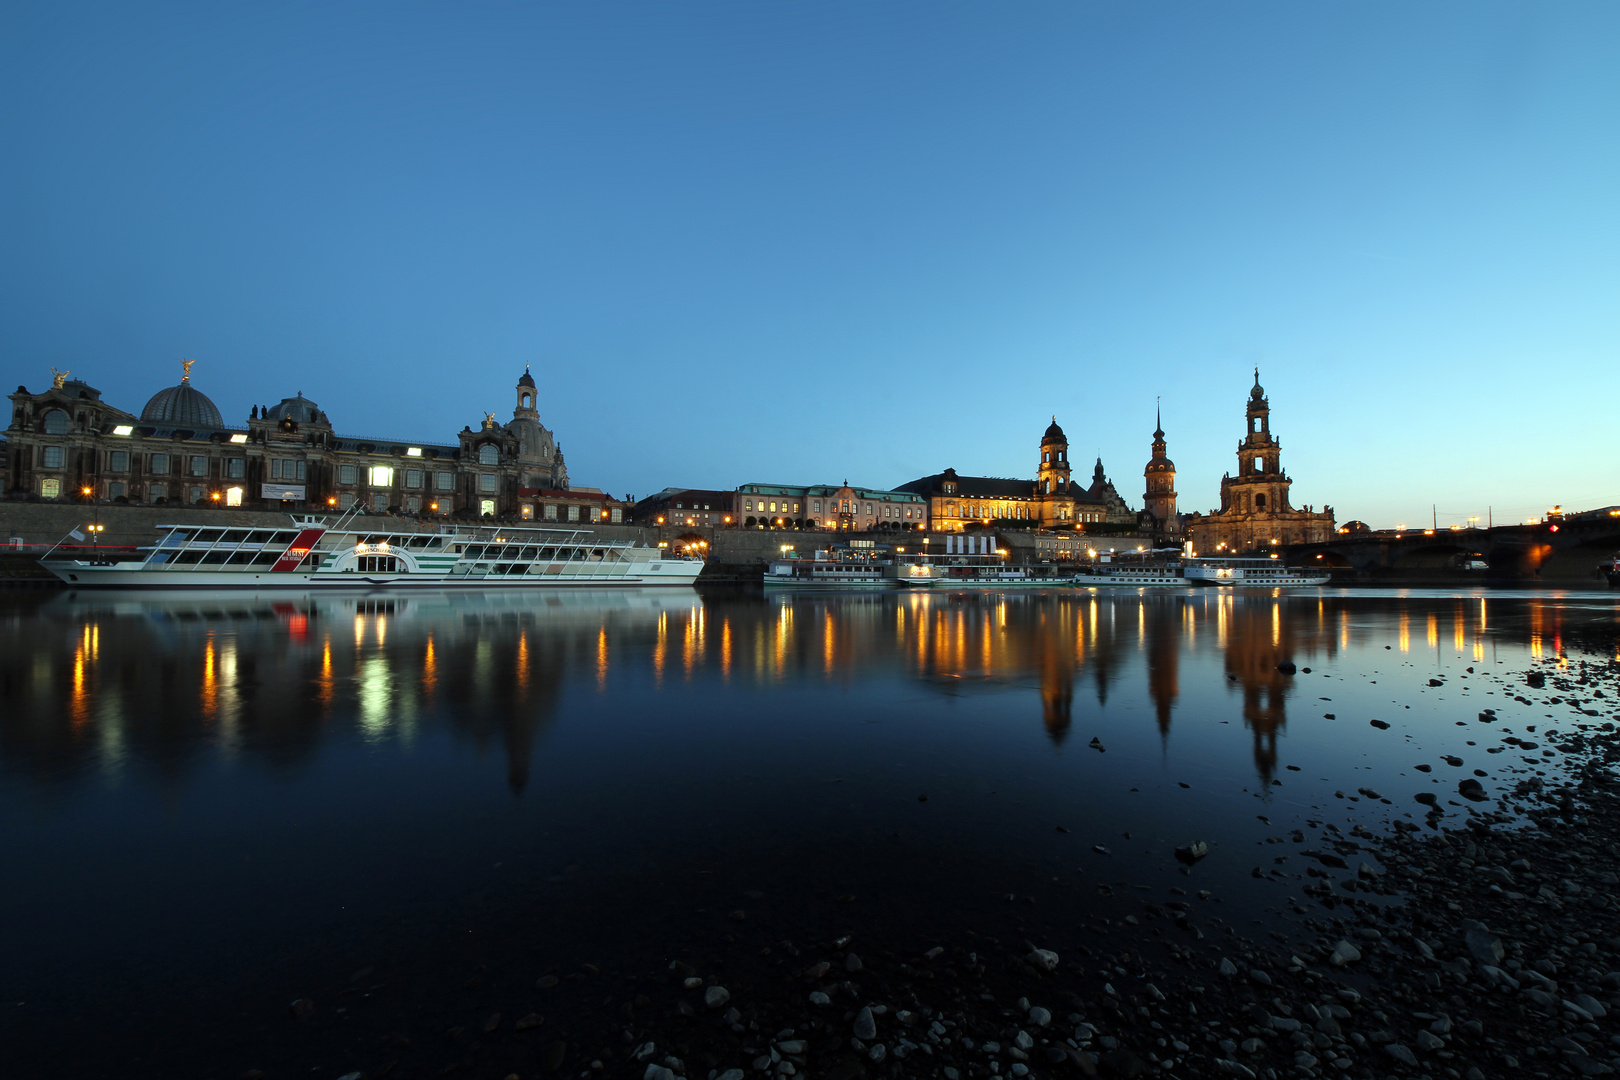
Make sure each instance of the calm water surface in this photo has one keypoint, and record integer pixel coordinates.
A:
(205, 797)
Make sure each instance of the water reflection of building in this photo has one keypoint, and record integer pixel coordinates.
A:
(160, 684)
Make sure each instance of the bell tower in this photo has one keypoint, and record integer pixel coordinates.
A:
(1160, 497)
(1053, 477)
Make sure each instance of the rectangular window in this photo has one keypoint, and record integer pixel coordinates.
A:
(486, 482)
(118, 461)
(196, 494)
(345, 474)
(237, 468)
(379, 502)
(115, 490)
(381, 476)
(447, 481)
(233, 496)
(160, 465)
(815, 507)
(413, 505)
(527, 512)
(573, 513)
(51, 458)
(155, 492)
(617, 515)
(486, 506)
(199, 466)
(413, 478)
(748, 505)
(551, 512)
(50, 488)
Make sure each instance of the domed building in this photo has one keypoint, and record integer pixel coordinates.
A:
(65, 442)
(183, 406)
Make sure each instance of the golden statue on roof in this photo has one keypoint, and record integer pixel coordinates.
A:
(186, 364)
(58, 378)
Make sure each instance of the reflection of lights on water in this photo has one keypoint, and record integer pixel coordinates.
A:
(373, 695)
(659, 647)
(523, 660)
(1276, 624)
(1405, 641)
(725, 649)
(430, 667)
(601, 658)
(325, 684)
(1459, 636)
(1433, 624)
(210, 689)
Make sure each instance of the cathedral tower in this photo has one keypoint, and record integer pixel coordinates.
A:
(1160, 497)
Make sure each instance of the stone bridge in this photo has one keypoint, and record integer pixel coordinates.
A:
(1562, 551)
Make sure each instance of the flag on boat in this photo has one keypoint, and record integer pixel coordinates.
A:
(76, 534)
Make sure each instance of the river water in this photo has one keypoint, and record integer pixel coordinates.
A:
(212, 804)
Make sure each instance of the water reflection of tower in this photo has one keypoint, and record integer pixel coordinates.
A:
(1259, 638)
(1163, 632)
(1056, 663)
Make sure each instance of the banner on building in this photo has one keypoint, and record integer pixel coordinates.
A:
(293, 492)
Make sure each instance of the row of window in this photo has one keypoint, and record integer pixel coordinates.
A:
(382, 476)
(834, 506)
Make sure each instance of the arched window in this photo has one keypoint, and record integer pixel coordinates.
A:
(488, 454)
(56, 422)
(523, 400)
(1259, 502)
(1259, 464)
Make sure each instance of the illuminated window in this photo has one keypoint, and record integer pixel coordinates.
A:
(381, 476)
(56, 422)
(528, 512)
(486, 506)
(238, 439)
(617, 515)
(50, 488)
(233, 496)
(573, 513)
(415, 451)
(51, 457)
(551, 512)
(795, 508)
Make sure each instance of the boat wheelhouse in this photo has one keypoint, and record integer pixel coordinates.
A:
(309, 554)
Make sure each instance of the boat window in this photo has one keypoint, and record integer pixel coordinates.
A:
(214, 558)
(259, 536)
(284, 538)
(208, 536)
(241, 558)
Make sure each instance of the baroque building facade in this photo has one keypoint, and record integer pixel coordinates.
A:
(1256, 513)
(64, 442)
(1052, 500)
(842, 508)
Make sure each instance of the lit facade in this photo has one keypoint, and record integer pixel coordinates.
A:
(1051, 500)
(66, 443)
(1255, 513)
(843, 508)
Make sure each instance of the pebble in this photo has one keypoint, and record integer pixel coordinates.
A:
(301, 1008)
(1039, 1016)
(1344, 953)
(716, 996)
(1401, 1054)
(865, 1024)
(818, 998)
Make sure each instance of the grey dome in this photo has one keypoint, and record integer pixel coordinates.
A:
(183, 406)
(526, 379)
(300, 409)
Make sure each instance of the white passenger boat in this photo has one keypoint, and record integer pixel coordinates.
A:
(311, 555)
(859, 564)
(977, 572)
(1133, 576)
(1264, 573)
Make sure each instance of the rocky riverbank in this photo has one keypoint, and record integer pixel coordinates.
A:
(1477, 937)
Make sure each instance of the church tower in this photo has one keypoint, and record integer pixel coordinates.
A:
(1053, 477)
(1260, 485)
(537, 450)
(1160, 497)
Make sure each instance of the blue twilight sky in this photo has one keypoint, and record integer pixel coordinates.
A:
(801, 242)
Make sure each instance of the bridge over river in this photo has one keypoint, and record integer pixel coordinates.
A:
(1560, 551)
